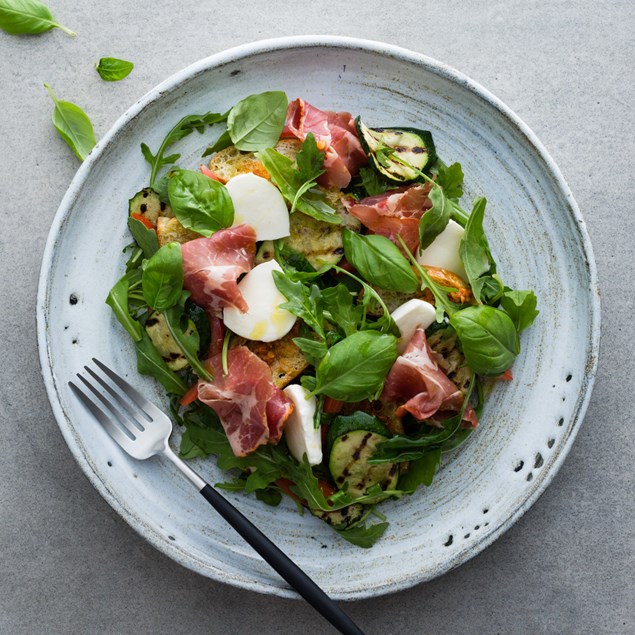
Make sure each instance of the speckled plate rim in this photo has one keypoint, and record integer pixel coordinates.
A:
(172, 83)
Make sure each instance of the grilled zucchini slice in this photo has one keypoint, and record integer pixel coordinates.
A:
(349, 465)
(413, 146)
(148, 204)
(161, 338)
(341, 518)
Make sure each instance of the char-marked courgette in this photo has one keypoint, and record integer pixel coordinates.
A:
(148, 204)
(161, 338)
(352, 444)
(341, 518)
(413, 146)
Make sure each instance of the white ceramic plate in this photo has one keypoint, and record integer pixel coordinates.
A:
(538, 239)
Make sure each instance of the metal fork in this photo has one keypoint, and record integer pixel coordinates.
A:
(142, 430)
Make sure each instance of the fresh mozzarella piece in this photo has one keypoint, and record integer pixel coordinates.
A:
(300, 433)
(409, 316)
(264, 321)
(258, 203)
(444, 250)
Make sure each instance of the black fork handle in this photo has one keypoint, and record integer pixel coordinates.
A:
(287, 569)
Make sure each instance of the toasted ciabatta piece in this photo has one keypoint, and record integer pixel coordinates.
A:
(231, 161)
(170, 230)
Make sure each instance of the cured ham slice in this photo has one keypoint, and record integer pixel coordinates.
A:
(334, 133)
(251, 409)
(394, 213)
(211, 267)
(420, 387)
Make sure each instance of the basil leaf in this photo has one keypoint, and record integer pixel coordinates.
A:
(183, 128)
(477, 258)
(73, 125)
(224, 141)
(379, 261)
(363, 536)
(421, 471)
(450, 178)
(521, 307)
(311, 203)
(162, 280)
(186, 339)
(435, 220)
(200, 203)
(111, 69)
(488, 339)
(355, 368)
(145, 237)
(150, 362)
(28, 17)
(118, 301)
(256, 122)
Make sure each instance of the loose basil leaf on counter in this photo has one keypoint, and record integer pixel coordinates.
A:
(435, 220)
(286, 178)
(200, 203)
(521, 307)
(488, 339)
(256, 122)
(379, 261)
(355, 368)
(477, 258)
(73, 125)
(150, 362)
(183, 128)
(111, 69)
(117, 300)
(28, 17)
(145, 237)
(162, 279)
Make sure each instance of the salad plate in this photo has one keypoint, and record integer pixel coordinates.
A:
(537, 237)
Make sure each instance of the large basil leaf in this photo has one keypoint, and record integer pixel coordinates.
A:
(288, 181)
(356, 367)
(200, 203)
(379, 261)
(73, 125)
(162, 280)
(488, 339)
(145, 237)
(111, 69)
(256, 122)
(28, 17)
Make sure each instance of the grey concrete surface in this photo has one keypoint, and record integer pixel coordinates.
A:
(69, 564)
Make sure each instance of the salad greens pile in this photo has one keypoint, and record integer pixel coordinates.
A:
(345, 330)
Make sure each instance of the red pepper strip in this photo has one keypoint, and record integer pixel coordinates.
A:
(212, 175)
(506, 376)
(144, 220)
(332, 406)
(285, 485)
(190, 396)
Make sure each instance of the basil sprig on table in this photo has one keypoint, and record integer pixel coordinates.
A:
(28, 17)
(73, 125)
(200, 203)
(111, 69)
(256, 122)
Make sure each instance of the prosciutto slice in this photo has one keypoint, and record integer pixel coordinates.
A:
(211, 267)
(335, 134)
(396, 212)
(251, 409)
(420, 387)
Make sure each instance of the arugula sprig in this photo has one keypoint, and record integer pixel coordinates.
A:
(182, 129)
